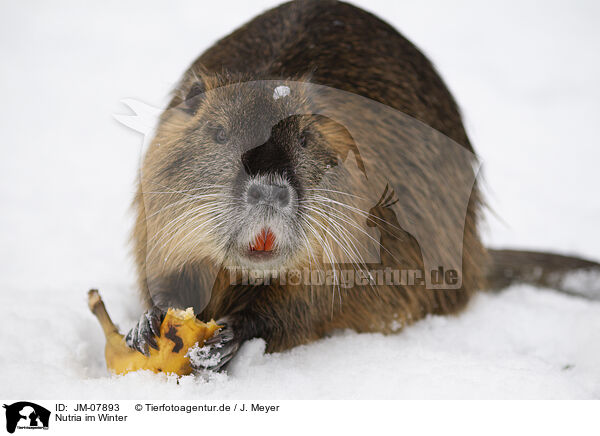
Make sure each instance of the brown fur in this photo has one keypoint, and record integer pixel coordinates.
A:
(340, 46)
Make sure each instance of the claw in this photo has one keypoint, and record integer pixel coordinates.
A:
(129, 338)
(155, 320)
(224, 335)
(217, 351)
(141, 336)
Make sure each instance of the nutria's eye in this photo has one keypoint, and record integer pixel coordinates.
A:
(220, 135)
(331, 163)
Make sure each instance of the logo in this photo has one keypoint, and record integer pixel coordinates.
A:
(26, 415)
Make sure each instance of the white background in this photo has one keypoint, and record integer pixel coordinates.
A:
(526, 77)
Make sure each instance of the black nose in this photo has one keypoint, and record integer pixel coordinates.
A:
(273, 195)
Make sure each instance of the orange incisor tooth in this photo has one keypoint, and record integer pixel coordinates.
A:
(269, 239)
(264, 241)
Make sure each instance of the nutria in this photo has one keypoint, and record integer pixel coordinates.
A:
(242, 173)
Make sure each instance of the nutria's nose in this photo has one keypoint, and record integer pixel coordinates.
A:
(273, 195)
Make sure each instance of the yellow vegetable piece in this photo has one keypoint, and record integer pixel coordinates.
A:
(179, 331)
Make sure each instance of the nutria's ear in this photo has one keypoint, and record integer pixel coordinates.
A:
(190, 91)
(194, 96)
(188, 100)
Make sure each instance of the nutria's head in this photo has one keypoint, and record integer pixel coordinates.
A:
(231, 173)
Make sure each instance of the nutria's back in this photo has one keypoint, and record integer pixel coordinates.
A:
(341, 46)
(276, 198)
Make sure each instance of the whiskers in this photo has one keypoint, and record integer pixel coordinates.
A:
(332, 228)
(338, 227)
(187, 220)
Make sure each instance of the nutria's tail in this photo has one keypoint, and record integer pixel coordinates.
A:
(570, 275)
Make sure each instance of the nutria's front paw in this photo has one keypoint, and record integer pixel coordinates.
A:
(217, 350)
(141, 336)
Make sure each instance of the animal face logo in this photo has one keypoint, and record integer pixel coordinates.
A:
(26, 415)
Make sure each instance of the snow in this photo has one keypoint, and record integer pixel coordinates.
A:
(582, 282)
(526, 79)
(200, 357)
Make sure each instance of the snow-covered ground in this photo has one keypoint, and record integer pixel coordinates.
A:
(526, 77)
